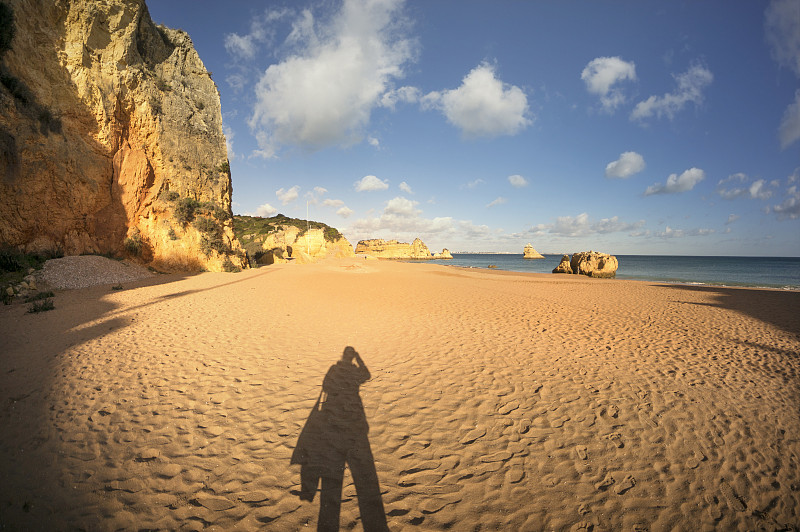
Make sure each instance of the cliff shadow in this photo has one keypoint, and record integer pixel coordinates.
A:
(775, 307)
(335, 435)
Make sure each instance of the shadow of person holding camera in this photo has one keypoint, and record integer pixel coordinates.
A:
(335, 434)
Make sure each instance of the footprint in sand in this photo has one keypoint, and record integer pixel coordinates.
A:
(713, 507)
(694, 461)
(616, 439)
(605, 483)
(627, 483)
(508, 408)
(613, 411)
(730, 497)
(581, 451)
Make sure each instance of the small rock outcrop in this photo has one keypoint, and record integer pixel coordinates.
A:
(530, 253)
(591, 263)
(392, 249)
(594, 264)
(444, 255)
(563, 266)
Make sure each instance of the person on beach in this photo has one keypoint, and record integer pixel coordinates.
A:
(335, 434)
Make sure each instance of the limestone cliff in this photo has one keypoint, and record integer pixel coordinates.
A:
(591, 263)
(278, 239)
(392, 249)
(111, 138)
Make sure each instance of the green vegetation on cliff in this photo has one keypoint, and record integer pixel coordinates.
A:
(250, 230)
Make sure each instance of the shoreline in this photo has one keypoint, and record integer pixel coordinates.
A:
(542, 401)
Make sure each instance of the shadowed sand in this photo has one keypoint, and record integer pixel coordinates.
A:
(494, 401)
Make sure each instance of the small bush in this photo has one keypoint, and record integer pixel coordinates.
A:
(201, 106)
(213, 242)
(12, 260)
(207, 226)
(171, 234)
(229, 266)
(39, 296)
(163, 85)
(133, 244)
(41, 306)
(184, 210)
(220, 214)
(7, 28)
(168, 195)
(225, 168)
(117, 287)
(6, 297)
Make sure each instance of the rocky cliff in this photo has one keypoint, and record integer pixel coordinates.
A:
(111, 139)
(529, 252)
(392, 249)
(278, 239)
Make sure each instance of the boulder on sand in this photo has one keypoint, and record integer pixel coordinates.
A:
(563, 266)
(594, 264)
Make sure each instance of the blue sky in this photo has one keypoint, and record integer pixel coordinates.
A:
(623, 127)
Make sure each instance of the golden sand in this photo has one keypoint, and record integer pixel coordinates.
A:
(495, 401)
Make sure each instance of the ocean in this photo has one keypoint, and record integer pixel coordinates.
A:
(765, 272)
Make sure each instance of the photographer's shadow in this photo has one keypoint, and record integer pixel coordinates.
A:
(335, 434)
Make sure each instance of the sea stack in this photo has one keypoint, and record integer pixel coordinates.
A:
(530, 253)
(590, 263)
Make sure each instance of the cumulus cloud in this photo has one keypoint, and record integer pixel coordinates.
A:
(475, 183)
(344, 212)
(403, 95)
(678, 183)
(287, 196)
(400, 219)
(756, 190)
(517, 181)
(372, 141)
(324, 92)
(789, 130)
(782, 30)
(603, 74)
(582, 225)
(266, 210)
(332, 202)
(690, 86)
(628, 164)
(405, 187)
(495, 202)
(229, 134)
(732, 218)
(669, 232)
(790, 207)
(483, 106)
(370, 183)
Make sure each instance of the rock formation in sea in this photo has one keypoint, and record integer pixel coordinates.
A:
(278, 239)
(444, 255)
(392, 249)
(111, 139)
(591, 263)
(563, 266)
(530, 253)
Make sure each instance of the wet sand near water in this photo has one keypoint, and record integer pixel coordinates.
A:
(495, 401)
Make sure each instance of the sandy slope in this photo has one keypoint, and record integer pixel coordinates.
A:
(497, 401)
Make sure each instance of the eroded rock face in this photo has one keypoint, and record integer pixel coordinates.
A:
(594, 264)
(563, 266)
(109, 116)
(530, 253)
(392, 249)
(444, 255)
(307, 247)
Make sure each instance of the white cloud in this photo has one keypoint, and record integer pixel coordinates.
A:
(370, 183)
(581, 225)
(669, 232)
(229, 134)
(400, 219)
(790, 207)
(473, 184)
(403, 95)
(244, 47)
(344, 212)
(689, 90)
(782, 29)
(517, 181)
(287, 196)
(333, 203)
(602, 74)
(628, 164)
(323, 94)
(483, 106)
(789, 130)
(375, 143)
(756, 190)
(495, 202)
(266, 210)
(405, 188)
(732, 218)
(678, 183)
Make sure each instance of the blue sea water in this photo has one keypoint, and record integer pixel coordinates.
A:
(768, 272)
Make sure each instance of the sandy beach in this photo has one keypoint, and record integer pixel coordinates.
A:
(479, 400)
